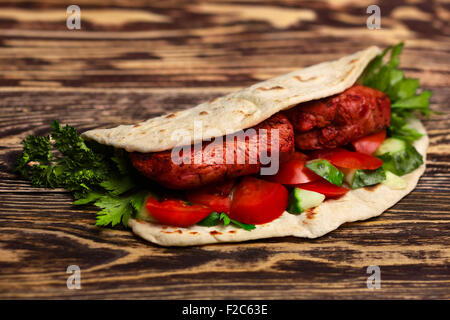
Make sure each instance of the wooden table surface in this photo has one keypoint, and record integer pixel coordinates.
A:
(135, 60)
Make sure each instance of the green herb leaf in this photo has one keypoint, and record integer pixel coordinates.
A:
(115, 210)
(405, 133)
(326, 170)
(138, 199)
(403, 161)
(212, 220)
(121, 161)
(402, 91)
(88, 198)
(226, 220)
(117, 185)
(244, 226)
(363, 178)
(215, 218)
(420, 102)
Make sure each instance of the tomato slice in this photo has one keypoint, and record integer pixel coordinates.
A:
(299, 156)
(257, 201)
(370, 143)
(294, 172)
(216, 196)
(323, 153)
(177, 212)
(217, 202)
(324, 187)
(347, 159)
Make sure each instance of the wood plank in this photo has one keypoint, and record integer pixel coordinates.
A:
(171, 55)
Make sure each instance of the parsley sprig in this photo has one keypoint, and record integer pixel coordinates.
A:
(94, 173)
(403, 92)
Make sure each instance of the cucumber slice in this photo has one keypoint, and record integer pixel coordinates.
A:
(326, 170)
(362, 178)
(301, 200)
(403, 161)
(390, 145)
(399, 156)
(394, 182)
(144, 214)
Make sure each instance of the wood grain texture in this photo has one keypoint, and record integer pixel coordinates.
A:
(134, 60)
